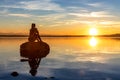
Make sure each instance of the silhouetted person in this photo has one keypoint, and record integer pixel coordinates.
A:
(34, 34)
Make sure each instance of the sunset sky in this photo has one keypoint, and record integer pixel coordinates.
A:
(69, 17)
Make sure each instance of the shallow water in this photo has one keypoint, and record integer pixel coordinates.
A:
(74, 53)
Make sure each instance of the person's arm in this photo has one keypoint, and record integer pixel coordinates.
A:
(37, 31)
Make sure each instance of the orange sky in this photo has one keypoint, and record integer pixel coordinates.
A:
(59, 17)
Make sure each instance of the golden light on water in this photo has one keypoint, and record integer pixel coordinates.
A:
(93, 42)
(93, 32)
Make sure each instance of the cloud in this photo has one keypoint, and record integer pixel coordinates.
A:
(95, 4)
(80, 14)
(101, 14)
(40, 4)
(6, 12)
(10, 6)
(92, 14)
(3, 11)
(50, 17)
(34, 5)
(76, 9)
(109, 22)
(20, 15)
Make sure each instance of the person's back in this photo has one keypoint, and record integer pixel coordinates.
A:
(34, 34)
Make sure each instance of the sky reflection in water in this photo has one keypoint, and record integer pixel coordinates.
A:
(79, 53)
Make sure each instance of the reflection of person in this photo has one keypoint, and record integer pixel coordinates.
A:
(34, 64)
(34, 34)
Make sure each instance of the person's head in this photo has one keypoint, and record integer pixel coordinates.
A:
(33, 25)
(33, 72)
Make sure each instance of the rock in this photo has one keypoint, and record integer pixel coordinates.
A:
(34, 49)
(14, 74)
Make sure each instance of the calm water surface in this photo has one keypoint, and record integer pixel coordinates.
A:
(90, 53)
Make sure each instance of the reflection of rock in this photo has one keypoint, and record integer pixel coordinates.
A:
(34, 49)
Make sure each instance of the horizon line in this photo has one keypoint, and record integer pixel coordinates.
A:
(18, 35)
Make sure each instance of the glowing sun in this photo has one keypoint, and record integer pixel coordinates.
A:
(93, 32)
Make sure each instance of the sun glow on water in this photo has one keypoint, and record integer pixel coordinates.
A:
(93, 42)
